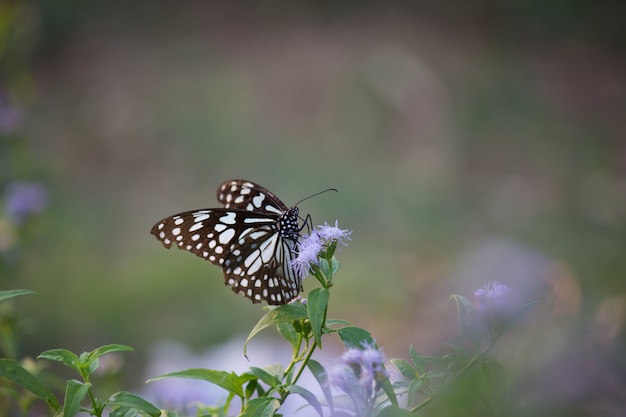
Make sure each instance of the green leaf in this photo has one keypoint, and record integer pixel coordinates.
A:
(128, 400)
(103, 350)
(405, 368)
(335, 265)
(289, 333)
(227, 380)
(261, 407)
(124, 412)
(263, 375)
(388, 389)
(251, 387)
(394, 411)
(320, 375)
(418, 361)
(93, 365)
(250, 382)
(329, 267)
(317, 303)
(469, 321)
(284, 313)
(324, 266)
(355, 337)
(62, 355)
(337, 322)
(308, 396)
(413, 389)
(15, 373)
(5, 295)
(75, 392)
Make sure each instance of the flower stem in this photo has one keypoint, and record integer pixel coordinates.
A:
(304, 363)
(295, 357)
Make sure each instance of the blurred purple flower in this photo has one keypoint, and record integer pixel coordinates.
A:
(493, 303)
(11, 117)
(359, 373)
(308, 249)
(328, 233)
(24, 199)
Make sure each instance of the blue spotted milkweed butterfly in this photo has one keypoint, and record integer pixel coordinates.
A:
(253, 239)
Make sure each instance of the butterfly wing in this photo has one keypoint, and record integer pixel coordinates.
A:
(246, 195)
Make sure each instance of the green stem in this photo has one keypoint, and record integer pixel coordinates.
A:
(304, 363)
(96, 409)
(284, 395)
(295, 358)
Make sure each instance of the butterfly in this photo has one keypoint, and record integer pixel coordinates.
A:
(253, 239)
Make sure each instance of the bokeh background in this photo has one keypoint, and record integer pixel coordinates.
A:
(470, 142)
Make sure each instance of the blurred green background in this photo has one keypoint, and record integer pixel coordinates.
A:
(470, 141)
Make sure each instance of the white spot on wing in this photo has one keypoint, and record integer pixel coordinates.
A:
(201, 217)
(226, 236)
(253, 263)
(258, 200)
(273, 209)
(268, 249)
(258, 234)
(255, 220)
(229, 218)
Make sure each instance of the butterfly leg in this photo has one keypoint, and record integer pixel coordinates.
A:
(308, 223)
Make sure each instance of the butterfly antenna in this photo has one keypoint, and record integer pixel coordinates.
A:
(321, 192)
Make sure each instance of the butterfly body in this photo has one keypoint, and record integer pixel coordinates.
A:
(253, 239)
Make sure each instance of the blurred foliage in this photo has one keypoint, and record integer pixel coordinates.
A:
(444, 126)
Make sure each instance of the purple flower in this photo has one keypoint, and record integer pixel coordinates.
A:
(493, 303)
(308, 249)
(311, 245)
(359, 374)
(492, 293)
(329, 233)
(11, 117)
(24, 199)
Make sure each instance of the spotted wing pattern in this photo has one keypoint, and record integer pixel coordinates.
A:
(253, 239)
